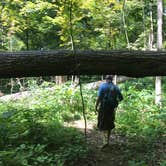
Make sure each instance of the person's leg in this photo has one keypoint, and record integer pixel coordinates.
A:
(104, 137)
(106, 134)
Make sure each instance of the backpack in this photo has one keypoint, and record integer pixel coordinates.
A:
(110, 98)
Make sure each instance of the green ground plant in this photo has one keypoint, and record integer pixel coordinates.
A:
(34, 131)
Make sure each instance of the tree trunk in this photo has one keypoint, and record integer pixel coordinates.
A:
(61, 79)
(158, 90)
(124, 24)
(64, 62)
(151, 36)
(143, 22)
(159, 47)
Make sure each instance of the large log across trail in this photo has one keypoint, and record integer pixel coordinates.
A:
(64, 62)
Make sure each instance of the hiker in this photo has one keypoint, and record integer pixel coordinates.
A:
(108, 98)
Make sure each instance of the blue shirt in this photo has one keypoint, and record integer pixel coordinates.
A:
(104, 87)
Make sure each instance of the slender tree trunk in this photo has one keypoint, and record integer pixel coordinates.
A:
(143, 22)
(79, 79)
(2, 27)
(124, 24)
(12, 85)
(159, 47)
(71, 33)
(2, 39)
(10, 48)
(71, 25)
(102, 77)
(115, 79)
(60, 79)
(158, 90)
(151, 36)
(27, 33)
(18, 81)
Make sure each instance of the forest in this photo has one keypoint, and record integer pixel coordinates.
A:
(50, 119)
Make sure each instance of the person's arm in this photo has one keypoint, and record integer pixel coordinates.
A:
(97, 103)
(120, 96)
(100, 91)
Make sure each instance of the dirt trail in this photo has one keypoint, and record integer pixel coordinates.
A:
(123, 151)
(109, 156)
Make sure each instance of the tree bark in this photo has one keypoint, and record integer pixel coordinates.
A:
(124, 24)
(64, 62)
(60, 79)
(151, 32)
(158, 90)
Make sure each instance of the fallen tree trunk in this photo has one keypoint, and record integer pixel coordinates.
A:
(65, 62)
(26, 94)
(22, 95)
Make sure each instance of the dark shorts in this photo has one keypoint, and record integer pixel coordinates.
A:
(106, 118)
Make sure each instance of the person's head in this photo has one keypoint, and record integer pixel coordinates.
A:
(109, 78)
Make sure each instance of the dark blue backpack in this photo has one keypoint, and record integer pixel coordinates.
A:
(110, 98)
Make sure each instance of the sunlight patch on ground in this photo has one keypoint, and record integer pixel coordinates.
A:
(81, 125)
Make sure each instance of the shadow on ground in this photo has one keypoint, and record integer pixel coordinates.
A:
(127, 151)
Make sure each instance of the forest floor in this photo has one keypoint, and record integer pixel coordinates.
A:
(123, 150)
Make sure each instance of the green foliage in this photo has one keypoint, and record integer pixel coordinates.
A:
(33, 130)
(55, 145)
(133, 163)
(96, 24)
(140, 116)
(163, 163)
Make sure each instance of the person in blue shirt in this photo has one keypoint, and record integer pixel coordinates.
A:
(108, 98)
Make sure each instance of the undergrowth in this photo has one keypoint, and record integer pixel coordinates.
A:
(32, 130)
